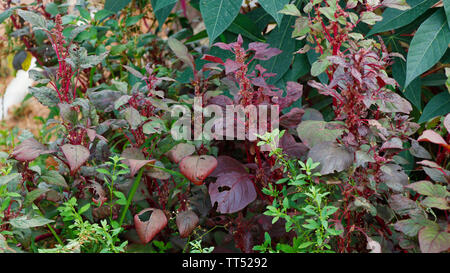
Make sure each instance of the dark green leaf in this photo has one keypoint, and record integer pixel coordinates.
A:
(218, 15)
(273, 7)
(116, 5)
(428, 45)
(395, 18)
(439, 105)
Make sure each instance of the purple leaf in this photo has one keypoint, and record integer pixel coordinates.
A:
(232, 191)
(292, 118)
(29, 150)
(135, 159)
(226, 164)
(148, 228)
(187, 221)
(231, 66)
(76, 155)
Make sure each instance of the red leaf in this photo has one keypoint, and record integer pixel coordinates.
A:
(180, 151)
(433, 137)
(187, 221)
(197, 168)
(148, 228)
(76, 155)
(212, 59)
(135, 159)
(29, 150)
(292, 118)
(232, 191)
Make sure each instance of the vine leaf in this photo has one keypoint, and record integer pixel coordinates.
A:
(428, 45)
(148, 226)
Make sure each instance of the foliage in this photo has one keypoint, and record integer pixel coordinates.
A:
(360, 162)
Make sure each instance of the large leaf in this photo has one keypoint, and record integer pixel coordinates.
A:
(76, 155)
(394, 177)
(433, 239)
(180, 151)
(45, 95)
(36, 20)
(25, 222)
(197, 168)
(54, 178)
(273, 7)
(232, 191)
(162, 9)
(395, 18)
(218, 15)
(428, 45)
(281, 38)
(116, 5)
(439, 105)
(29, 150)
(148, 227)
(447, 10)
(313, 132)
(331, 156)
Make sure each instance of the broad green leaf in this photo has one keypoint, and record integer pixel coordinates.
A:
(54, 178)
(33, 195)
(433, 239)
(36, 20)
(427, 46)
(447, 10)
(181, 51)
(427, 188)
(45, 95)
(24, 222)
(395, 18)
(246, 27)
(273, 7)
(8, 178)
(4, 15)
(436, 202)
(313, 132)
(281, 38)
(116, 5)
(439, 105)
(218, 15)
(162, 9)
(414, 90)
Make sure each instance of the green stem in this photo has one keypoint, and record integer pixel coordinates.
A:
(131, 195)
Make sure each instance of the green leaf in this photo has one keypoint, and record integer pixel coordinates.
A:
(395, 18)
(273, 7)
(218, 15)
(8, 178)
(414, 90)
(439, 105)
(23, 222)
(33, 195)
(36, 20)
(433, 239)
(54, 178)
(116, 5)
(246, 27)
(436, 202)
(181, 51)
(162, 9)
(281, 38)
(427, 46)
(447, 10)
(5, 15)
(45, 95)
(313, 132)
